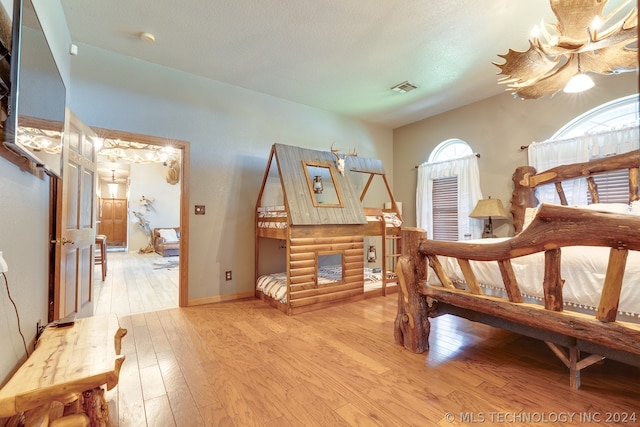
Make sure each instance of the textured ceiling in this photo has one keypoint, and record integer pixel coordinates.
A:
(338, 55)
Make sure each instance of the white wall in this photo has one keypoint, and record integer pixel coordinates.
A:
(230, 131)
(24, 228)
(495, 128)
(24, 235)
(148, 180)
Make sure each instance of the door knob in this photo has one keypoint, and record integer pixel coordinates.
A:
(66, 241)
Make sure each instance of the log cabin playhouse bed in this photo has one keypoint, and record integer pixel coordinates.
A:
(548, 305)
(310, 247)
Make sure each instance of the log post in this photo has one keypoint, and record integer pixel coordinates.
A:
(553, 282)
(523, 195)
(634, 173)
(411, 328)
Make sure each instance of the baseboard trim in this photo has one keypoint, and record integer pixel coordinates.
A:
(220, 298)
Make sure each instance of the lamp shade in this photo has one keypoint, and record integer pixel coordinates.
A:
(489, 208)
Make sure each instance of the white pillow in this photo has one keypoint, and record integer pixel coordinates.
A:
(169, 235)
(621, 208)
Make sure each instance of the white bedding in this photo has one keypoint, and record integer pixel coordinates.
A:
(390, 219)
(583, 268)
(275, 284)
(272, 212)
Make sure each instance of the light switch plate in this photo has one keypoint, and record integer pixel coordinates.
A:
(199, 210)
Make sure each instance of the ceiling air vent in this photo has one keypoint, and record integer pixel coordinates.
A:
(404, 87)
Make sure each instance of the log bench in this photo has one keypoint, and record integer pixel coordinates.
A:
(68, 366)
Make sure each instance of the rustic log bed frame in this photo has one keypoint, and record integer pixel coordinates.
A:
(554, 227)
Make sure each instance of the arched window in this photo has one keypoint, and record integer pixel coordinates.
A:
(450, 149)
(611, 128)
(619, 112)
(448, 189)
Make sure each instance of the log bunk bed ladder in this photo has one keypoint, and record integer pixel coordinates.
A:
(391, 235)
(553, 228)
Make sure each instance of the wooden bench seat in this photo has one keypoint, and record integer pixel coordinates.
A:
(66, 362)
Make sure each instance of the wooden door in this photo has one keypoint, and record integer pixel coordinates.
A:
(73, 292)
(113, 222)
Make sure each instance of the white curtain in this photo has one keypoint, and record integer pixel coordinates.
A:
(466, 169)
(555, 152)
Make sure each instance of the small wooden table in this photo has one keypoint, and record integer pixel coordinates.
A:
(67, 361)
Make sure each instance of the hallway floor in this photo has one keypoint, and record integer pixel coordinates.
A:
(136, 283)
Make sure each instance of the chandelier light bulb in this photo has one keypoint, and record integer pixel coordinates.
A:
(579, 83)
(535, 32)
(147, 37)
(113, 185)
(113, 190)
(594, 27)
(608, 42)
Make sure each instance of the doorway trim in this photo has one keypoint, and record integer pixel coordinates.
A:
(184, 146)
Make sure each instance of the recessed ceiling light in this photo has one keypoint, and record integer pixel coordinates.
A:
(404, 87)
(147, 37)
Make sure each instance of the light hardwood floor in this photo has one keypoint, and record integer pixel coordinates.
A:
(243, 363)
(136, 283)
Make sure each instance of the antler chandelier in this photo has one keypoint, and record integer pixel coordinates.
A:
(582, 41)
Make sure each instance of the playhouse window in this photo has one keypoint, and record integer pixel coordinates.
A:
(322, 185)
(329, 268)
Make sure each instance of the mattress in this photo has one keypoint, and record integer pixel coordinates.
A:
(583, 268)
(390, 219)
(271, 212)
(275, 284)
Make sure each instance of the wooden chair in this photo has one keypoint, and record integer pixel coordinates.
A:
(101, 253)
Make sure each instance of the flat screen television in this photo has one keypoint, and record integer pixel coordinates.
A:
(37, 94)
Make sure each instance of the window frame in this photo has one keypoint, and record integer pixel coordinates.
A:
(615, 114)
(447, 227)
(446, 150)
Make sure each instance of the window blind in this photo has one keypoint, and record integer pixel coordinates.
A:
(445, 208)
(613, 187)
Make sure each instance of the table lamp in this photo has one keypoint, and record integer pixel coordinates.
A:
(489, 208)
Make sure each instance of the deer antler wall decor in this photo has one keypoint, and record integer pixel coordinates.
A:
(340, 158)
(582, 41)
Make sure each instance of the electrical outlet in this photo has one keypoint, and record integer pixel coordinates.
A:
(227, 275)
(199, 209)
